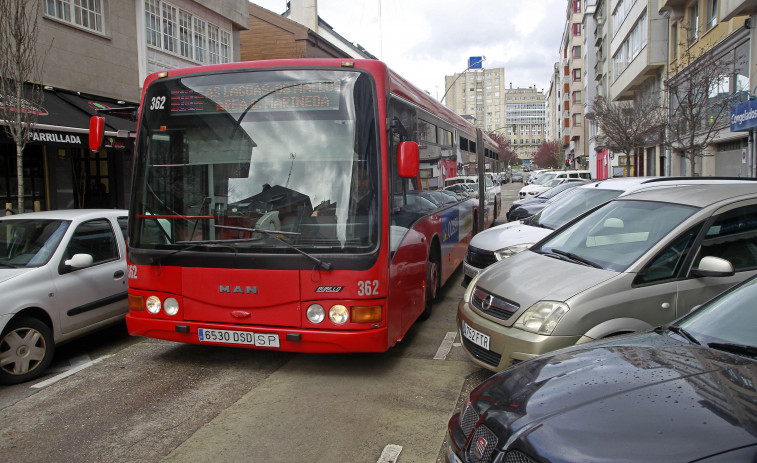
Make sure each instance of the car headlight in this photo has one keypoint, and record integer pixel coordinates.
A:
(469, 289)
(510, 251)
(542, 317)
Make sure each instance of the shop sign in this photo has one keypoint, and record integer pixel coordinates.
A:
(114, 143)
(52, 137)
(744, 116)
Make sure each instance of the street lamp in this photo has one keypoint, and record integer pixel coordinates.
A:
(483, 58)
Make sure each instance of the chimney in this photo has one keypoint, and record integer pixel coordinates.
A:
(304, 12)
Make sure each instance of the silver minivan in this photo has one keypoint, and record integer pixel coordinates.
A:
(637, 262)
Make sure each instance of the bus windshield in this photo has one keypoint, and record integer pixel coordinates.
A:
(221, 156)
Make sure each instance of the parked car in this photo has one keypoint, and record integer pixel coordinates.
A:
(641, 260)
(463, 189)
(545, 181)
(682, 392)
(517, 177)
(62, 275)
(533, 206)
(524, 208)
(505, 240)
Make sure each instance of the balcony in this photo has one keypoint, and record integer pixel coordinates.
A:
(729, 9)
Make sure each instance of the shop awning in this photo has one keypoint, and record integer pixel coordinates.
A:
(63, 117)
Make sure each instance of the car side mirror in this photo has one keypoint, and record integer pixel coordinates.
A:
(79, 261)
(711, 266)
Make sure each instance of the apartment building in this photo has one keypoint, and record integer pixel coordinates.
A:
(572, 61)
(95, 56)
(699, 30)
(479, 93)
(525, 120)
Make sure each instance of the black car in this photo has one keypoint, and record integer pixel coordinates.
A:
(686, 391)
(527, 207)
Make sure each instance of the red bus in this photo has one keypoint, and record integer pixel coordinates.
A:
(280, 205)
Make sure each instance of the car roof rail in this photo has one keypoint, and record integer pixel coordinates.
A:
(697, 179)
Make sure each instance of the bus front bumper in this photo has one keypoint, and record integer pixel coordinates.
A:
(259, 337)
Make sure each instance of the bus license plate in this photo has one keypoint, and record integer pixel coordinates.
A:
(476, 337)
(239, 337)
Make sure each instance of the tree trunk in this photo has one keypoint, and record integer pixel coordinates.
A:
(692, 165)
(20, 175)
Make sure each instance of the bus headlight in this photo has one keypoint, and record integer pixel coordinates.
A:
(339, 314)
(171, 306)
(542, 317)
(153, 304)
(315, 313)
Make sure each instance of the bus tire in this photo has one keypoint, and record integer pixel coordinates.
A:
(432, 284)
(26, 348)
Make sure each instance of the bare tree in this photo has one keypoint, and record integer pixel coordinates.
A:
(699, 98)
(548, 155)
(507, 154)
(629, 125)
(19, 64)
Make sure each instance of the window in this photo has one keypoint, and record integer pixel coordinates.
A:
(733, 237)
(577, 75)
(577, 120)
(693, 22)
(95, 238)
(577, 51)
(180, 32)
(577, 96)
(576, 6)
(712, 13)
(87, 14)
(577, 29)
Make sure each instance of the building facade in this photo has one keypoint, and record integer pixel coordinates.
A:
(525, 120)
(479, 93)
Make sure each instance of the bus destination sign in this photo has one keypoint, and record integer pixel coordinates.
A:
(256, 97)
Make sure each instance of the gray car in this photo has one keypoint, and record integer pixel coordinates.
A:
(639, 261)
(62, 274)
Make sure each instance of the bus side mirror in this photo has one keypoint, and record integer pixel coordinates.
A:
(407, 159)
(96, 132)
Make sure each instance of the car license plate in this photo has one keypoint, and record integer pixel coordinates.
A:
(239, 337)
(469, 271)
(476, 337)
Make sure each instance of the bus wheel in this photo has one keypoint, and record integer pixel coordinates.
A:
(26, 350)
(432, 284)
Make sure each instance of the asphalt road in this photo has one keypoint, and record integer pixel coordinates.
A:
(115, 398)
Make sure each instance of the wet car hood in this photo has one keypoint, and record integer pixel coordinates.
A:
(521, 279)
(508, 234)
(646, 397)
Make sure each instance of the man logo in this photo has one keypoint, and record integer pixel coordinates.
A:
(238, 289)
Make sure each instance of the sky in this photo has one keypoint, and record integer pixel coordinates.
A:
(424, 40)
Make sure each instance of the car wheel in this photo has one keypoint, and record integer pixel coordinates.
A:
(432, 285)
(26, 350)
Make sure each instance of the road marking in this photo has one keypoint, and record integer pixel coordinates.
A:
(446, 345)
(390, 454)
(68, 373)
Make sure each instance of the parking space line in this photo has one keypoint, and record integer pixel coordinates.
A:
(68, 373)
(390, 454)
(446, 345)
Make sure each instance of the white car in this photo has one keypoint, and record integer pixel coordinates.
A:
(62, 275)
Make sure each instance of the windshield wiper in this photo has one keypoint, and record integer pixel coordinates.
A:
(577, 258)
(733, 348)
(274, 234)
(682, 332)
(193, 244)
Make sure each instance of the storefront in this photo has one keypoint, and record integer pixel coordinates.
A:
(60, 172)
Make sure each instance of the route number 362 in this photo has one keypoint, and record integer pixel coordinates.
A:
(368, 288)
(157, 102)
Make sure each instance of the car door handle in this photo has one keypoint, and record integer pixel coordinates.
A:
(118, 274)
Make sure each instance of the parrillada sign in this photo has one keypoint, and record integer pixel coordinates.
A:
(53, 137)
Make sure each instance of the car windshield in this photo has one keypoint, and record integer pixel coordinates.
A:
(727, 320)
(614, 236)
(544, 179)
(29, 242)
(579, 201)
(552, 192)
